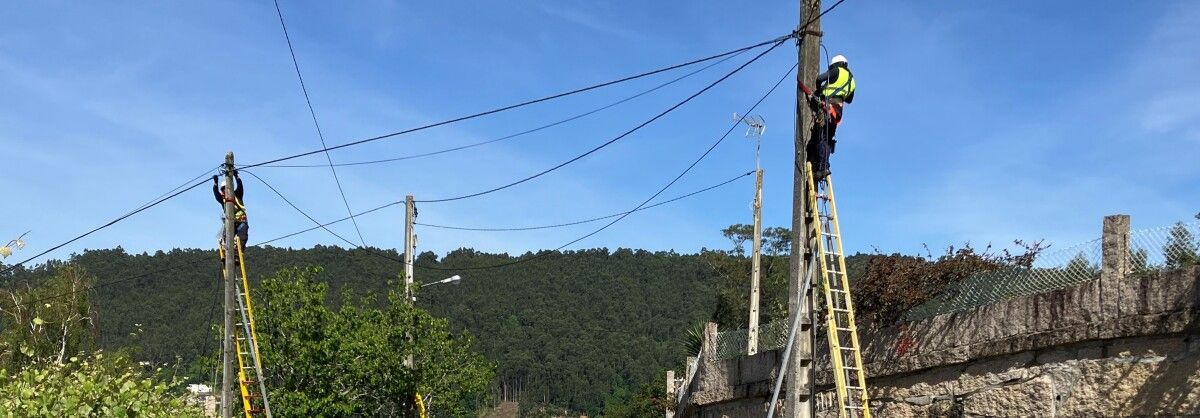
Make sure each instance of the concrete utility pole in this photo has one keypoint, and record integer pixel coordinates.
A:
(410, 245)
(228, 385)
(799, 403)
(756, 265)
(410, 248)
(757, 127)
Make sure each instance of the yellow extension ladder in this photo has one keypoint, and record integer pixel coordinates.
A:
(848, 373)
(245, 344)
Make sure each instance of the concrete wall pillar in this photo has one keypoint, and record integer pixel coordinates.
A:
(1114, 263)
(709, 349)
(670, 391)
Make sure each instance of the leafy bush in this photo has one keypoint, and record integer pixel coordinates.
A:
(101, 386)
(893, 284)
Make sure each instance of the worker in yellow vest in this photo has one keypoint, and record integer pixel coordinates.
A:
(240, 227)
(835, 88)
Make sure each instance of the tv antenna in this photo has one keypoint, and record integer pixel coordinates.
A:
(755, 126)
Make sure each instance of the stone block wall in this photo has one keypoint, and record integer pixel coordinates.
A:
(1051, 354)
(1123, 345)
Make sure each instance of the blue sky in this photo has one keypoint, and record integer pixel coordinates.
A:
(974, 121)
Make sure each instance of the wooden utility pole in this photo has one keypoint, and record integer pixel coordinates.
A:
(800, 299)
(756, 265)
(229, 393)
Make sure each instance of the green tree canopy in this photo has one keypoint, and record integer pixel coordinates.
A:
(322, 361)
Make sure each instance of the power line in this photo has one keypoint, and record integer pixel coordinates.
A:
(798, 33)
(611, 141)
(830, 9)
(589, 220)
(110, 223)
(184, 184)
(522, 133)
(525, 103)
(370, 251)
(323, 226)
(289, 202)
(640, 206)
(195, 263)
(313, 112)
(445, 122)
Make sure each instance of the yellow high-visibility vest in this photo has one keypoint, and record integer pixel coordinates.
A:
(239, 210)
(841, 86)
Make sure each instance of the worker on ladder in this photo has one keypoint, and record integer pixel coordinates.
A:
(835, 88)
(241, 228)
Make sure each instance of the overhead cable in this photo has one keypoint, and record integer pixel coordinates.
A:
(106, 225)
(521, 133)
(313, 113)
(589, 220)
(652, 197)
(525, 103)
(611, 141)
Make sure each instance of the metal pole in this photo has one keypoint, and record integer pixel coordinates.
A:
(798, 402)
(228, 385)
(787, 351)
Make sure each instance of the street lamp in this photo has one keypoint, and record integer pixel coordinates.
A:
(452, 279)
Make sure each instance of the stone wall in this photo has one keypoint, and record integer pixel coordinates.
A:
(1058, 353)
(738, 387)
(1139, 376)
(1123, 345)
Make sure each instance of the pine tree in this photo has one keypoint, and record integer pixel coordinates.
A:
(1181, 248)
(1139, 260)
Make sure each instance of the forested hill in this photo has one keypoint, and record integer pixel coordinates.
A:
(570, 328)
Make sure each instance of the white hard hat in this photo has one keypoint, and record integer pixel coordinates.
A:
(839, 58)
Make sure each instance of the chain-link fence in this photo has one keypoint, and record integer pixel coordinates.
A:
(1053, 270)
(1166, 247)
(772, 335)
(1150, 249)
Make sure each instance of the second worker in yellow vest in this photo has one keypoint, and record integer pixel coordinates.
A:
(241, 227)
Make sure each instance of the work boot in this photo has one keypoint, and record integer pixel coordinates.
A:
(820, 174)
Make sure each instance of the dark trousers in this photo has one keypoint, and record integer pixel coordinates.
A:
(820, 146)
(242, 231)
(821, 141)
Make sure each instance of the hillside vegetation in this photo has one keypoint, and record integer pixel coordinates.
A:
(570, 328)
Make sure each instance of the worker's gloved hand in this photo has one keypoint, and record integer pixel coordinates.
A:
(814, 102)
(214, 178)
(235, 172)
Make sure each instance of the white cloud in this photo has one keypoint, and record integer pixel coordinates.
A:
(591, 21)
